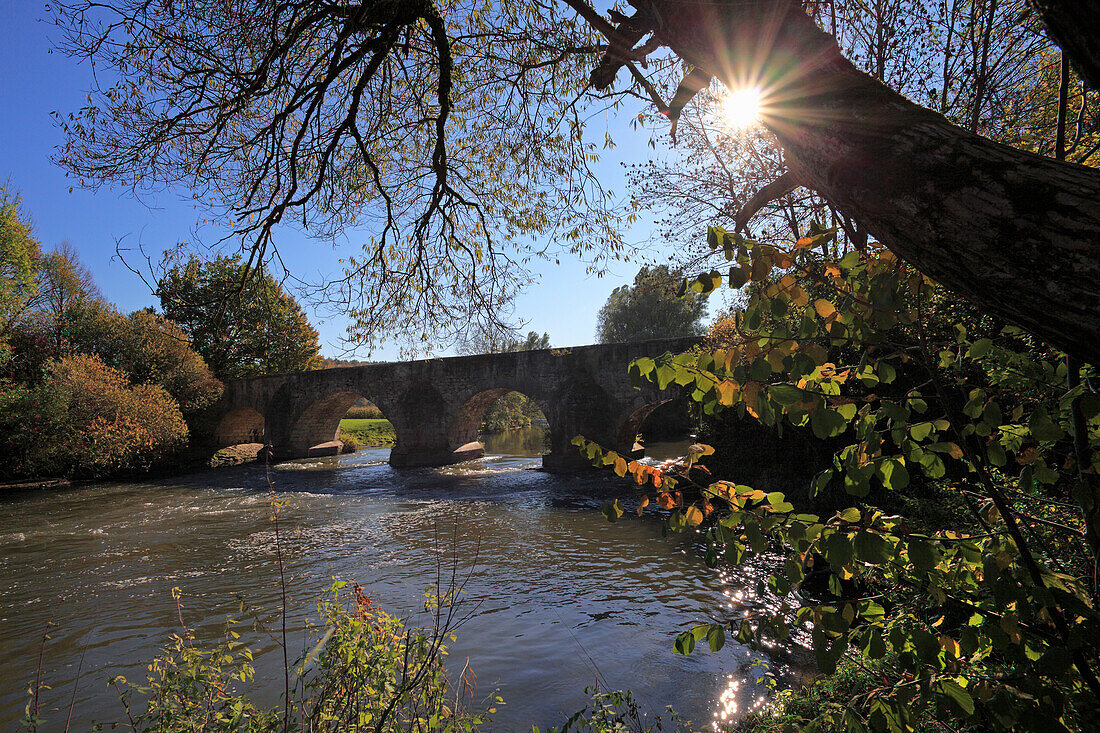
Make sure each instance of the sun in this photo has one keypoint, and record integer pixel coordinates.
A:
(741, 108)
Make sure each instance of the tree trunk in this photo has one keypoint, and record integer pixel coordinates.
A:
(1075, 27)
(1017, 233)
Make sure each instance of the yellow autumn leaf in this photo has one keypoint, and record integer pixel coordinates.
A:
(727, 390)
(693, 516)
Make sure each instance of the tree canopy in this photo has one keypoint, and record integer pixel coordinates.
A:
(241, 326)
(651, 308)
(19, 253)
(449, 131)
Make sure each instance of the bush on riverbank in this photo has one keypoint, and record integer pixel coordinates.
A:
(86, 419)
(368, 412)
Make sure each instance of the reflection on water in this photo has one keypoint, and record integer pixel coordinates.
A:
(530, 441)
(559, 597)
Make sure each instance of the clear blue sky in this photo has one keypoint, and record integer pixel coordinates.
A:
(36, 81)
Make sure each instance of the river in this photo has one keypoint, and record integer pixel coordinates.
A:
(560, 597)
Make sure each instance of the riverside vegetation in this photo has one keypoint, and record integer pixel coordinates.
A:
(87, 391)
(944, 560)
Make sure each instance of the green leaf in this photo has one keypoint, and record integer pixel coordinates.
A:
(785, 394)
(979, 348)
(827, 423)
(851, 514)
(838, 549)
(893, 474)
(685, 643)
(922, 554)
(886, 372)
(872, 548)
(612, 510)
(921, 430)
(957, 694)
(665, 374)
(716, 637)
(926, 645)
(1043, 429)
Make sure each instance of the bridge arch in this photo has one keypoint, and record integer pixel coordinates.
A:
(316, 430)
(240, 425)
(631, 426)
(468, 418)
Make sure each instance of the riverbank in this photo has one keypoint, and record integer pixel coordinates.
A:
(367, 432)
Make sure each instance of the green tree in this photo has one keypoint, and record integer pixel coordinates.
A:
(242, 323)
(651, 308)
(19, 254)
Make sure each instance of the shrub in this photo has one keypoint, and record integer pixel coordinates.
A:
(86, 419)
(369, 412)
(367, 671)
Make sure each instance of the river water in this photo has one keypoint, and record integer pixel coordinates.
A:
(559, 598)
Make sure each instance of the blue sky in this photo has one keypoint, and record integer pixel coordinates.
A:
(36, 81)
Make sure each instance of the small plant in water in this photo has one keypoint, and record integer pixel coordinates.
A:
(614, 712)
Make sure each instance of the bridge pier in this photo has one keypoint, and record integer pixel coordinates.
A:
(405, 456)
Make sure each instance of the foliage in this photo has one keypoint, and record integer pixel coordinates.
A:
(242, 323)
(114, 425)
(368, 670)
(50, 322)
(145, 346)
(651, 308)
(367, 431)
(86, 419)
(790, 708)
(512, 410)
(19, 253)
(990, 620)
(497, 342)
(367, 412)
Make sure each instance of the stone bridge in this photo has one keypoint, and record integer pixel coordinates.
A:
(437, 405)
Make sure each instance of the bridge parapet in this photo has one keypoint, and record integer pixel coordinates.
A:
(437, 405)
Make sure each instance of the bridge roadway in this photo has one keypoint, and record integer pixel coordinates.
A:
(437, 405)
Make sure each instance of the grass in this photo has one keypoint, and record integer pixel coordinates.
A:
(367, 431)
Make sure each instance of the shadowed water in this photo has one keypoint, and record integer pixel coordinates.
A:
(559, 597)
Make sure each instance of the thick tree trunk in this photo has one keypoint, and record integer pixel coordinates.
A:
(1014, 232)
(1075, 27)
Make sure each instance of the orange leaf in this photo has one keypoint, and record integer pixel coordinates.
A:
(665, 501)
(824, 308)
(620, 466)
